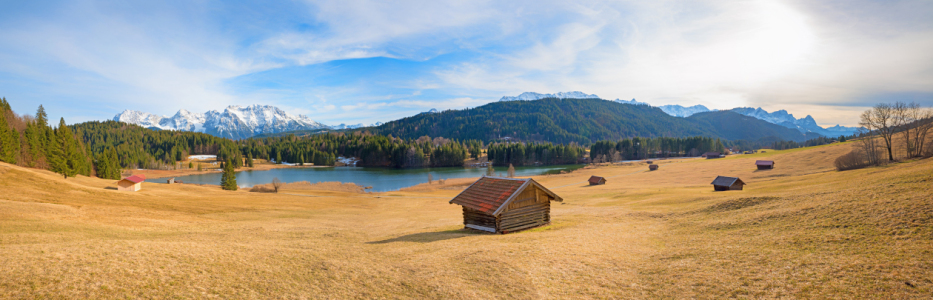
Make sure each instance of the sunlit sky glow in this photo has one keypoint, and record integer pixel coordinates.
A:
(366, 61)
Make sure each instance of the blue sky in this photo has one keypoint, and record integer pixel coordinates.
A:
(368, 61)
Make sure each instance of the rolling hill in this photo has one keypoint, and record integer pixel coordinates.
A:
(802, 230)
(578, 120)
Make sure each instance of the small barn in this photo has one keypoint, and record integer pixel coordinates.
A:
(652, 167)
(710, 155)
(723, 183)
(596, 180)
(170, 180)
(503, 205)
(132, 183)
(764, 164)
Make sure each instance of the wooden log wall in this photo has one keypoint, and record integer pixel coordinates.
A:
(475, 217)
(526, 217)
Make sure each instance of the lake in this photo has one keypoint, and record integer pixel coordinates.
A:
(381, 179)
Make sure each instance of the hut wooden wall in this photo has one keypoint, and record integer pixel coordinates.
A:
(477, 218)
(532, 208)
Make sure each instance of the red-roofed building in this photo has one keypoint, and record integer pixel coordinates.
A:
(503, 205)
(132, 183)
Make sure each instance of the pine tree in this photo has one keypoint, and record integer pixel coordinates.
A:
(228, 179)
(69, 150)
(9, 137)
(249, 159)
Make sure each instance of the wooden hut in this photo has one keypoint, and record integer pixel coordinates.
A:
(503, 205)
(710, 155)
(596, 180)
(764, 164)
(170, 180)
(652, 167)
(132, 183)
(723, 183)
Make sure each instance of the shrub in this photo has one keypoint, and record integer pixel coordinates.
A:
(853, 160)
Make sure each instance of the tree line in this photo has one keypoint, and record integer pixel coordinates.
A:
(522, 154)
(372, 150)
(30, 141)
(643, 148)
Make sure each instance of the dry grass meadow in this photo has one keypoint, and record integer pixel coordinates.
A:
(802, 230)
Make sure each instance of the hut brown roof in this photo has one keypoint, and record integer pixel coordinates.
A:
(490, 194)
(711, 154)
(764, 162)
(595, 179)
(726, 181)
(136, 178)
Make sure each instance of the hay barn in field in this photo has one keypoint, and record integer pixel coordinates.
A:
(764, 164)
(503, 205)
(596, 180)
(132, 183)
(710, 155)
(723, 183)
(652, 167)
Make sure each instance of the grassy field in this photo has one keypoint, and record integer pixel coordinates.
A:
(802, 230)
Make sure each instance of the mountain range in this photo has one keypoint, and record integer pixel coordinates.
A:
(235, 122)
(239, 122)
(582, 121)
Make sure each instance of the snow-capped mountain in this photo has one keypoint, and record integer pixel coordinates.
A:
(236, 122)
(561, 95)
(783, 118)
(683, 112)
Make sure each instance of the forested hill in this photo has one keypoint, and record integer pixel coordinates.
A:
(578, 120)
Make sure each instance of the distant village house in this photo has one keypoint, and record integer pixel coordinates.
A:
(503, 205)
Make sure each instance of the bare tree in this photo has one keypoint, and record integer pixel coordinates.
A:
(883, 120)
(276, 184)
(430, 178)
(511, 171)
(616, 156)
(869, 146)
(916, 122)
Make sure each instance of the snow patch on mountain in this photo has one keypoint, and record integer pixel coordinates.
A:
(683, 112)
(632, 102)
(526, 96)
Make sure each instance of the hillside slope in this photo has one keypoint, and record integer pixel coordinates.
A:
(577, 120)
(802, 230)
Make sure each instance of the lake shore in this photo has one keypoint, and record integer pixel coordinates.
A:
(150, 174)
